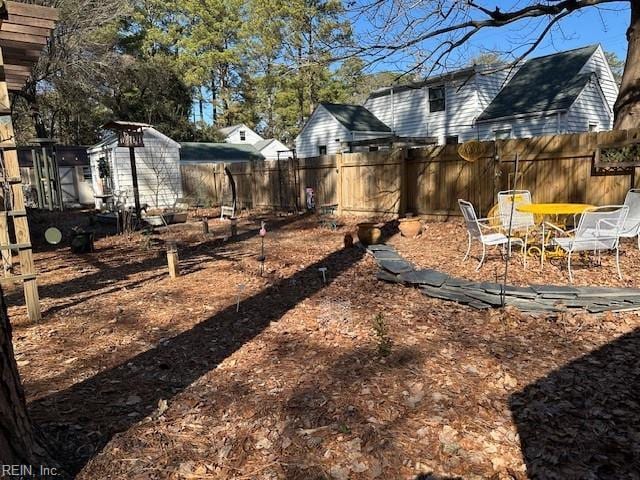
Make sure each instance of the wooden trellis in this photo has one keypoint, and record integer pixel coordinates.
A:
(24, 31)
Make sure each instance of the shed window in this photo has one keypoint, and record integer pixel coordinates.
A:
(322, 149)
(373, 148)
(451, 140)
(86, 174)
(503, 134)
(243, 135)
(593, 127)
(436, 99)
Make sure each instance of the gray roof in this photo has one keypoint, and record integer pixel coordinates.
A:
(548, 83)
(226, 131)
(199, 152)
(262, 144)
(356, 118)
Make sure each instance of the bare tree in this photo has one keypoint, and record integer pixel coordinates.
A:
(433, 31)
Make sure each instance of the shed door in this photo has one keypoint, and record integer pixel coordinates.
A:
(69, 192)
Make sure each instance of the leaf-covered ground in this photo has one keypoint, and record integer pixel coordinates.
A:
(134, 375)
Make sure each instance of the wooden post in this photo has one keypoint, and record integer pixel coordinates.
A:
(37, 170)
(172, 260)
(404, 194)
(18, 213)
(205, 226)
(134, 177)
(46, 166)
(56, 177)
(7, 253)
(339, 172)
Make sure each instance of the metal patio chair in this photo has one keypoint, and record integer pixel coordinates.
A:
(598, 230)
(631, 227)
(479, 229)
(520, 222)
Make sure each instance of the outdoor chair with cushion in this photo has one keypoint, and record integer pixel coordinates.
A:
(479, 229)
(513, 220)
(598, 230)
(631, 227)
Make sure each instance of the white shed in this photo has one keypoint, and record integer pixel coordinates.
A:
(157, 165)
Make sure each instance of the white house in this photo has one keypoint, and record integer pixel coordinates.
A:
(157, 166)
(331, 125)
(242, 135)
(566, 92)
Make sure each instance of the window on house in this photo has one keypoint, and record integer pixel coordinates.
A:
(373, 148)
(436, 99)
(322, 149)
(502, 134)
(451, 140)
(243, 135)
(86, 174)
(593, 127)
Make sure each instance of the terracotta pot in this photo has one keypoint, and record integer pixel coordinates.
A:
(369, 233)
(410, 227)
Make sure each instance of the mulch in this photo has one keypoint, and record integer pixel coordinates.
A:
(134, 375)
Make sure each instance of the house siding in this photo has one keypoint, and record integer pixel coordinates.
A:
(589, 108)
(271, 150)
(158, 169)
(524, 127)
(598, 65)
(251, 137)
(321, 129)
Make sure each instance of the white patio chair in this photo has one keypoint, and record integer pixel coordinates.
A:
(510, 217)
(598, 230)
(631, 227)
(479, 229)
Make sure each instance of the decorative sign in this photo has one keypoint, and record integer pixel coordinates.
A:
(473, 150)
(619, 159)
(130, 138)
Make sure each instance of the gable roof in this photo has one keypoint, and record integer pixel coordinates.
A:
(200, 152)
(356, 118)
(226, 131)
(548, 83)
(262, 144)
(111, 139)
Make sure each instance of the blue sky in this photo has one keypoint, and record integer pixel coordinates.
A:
(606, 24)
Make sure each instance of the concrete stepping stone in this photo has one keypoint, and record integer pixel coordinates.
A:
(427, 276)
(396, 266)
(387, 277)
(387, 255)
(380, 247)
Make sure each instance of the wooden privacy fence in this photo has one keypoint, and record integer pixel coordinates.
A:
(425, 181)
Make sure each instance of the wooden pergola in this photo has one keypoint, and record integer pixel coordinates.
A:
(25, 30)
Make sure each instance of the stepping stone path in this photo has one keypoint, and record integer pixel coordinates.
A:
(484, 295)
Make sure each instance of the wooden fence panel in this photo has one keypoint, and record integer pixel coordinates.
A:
(425, 181)
(371, 182)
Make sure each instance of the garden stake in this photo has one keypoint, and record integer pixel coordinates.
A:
(503, 289)
(262, 258)
(240, 290)
(323, 271)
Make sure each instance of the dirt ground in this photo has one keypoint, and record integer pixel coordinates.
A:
(134, 375)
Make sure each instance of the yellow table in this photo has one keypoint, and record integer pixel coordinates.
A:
(556, 210)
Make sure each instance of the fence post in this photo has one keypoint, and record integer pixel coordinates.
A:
(404, 194)
(339, 168)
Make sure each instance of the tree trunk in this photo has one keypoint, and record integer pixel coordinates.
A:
(17, 445)
(627, 106)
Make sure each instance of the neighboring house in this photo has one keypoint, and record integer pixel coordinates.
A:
(157, 166)
(240, 134)
(566, 92)
(73, 169)
(331, 125)
(200, 152)
(270, 147)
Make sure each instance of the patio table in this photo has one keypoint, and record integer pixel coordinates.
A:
(556, 210)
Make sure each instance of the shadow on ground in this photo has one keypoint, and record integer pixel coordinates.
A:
(82, 419)
(582, 421)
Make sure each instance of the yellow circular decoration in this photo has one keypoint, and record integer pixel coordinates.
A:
(472, 150)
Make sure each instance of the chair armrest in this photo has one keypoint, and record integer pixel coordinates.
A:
(557, 228)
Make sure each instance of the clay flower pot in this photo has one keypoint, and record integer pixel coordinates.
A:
(369, 233)
(410, 227)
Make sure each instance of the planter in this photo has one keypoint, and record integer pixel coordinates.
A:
(369, 233)
(410, 227)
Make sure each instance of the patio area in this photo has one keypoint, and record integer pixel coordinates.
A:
(305, 381)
